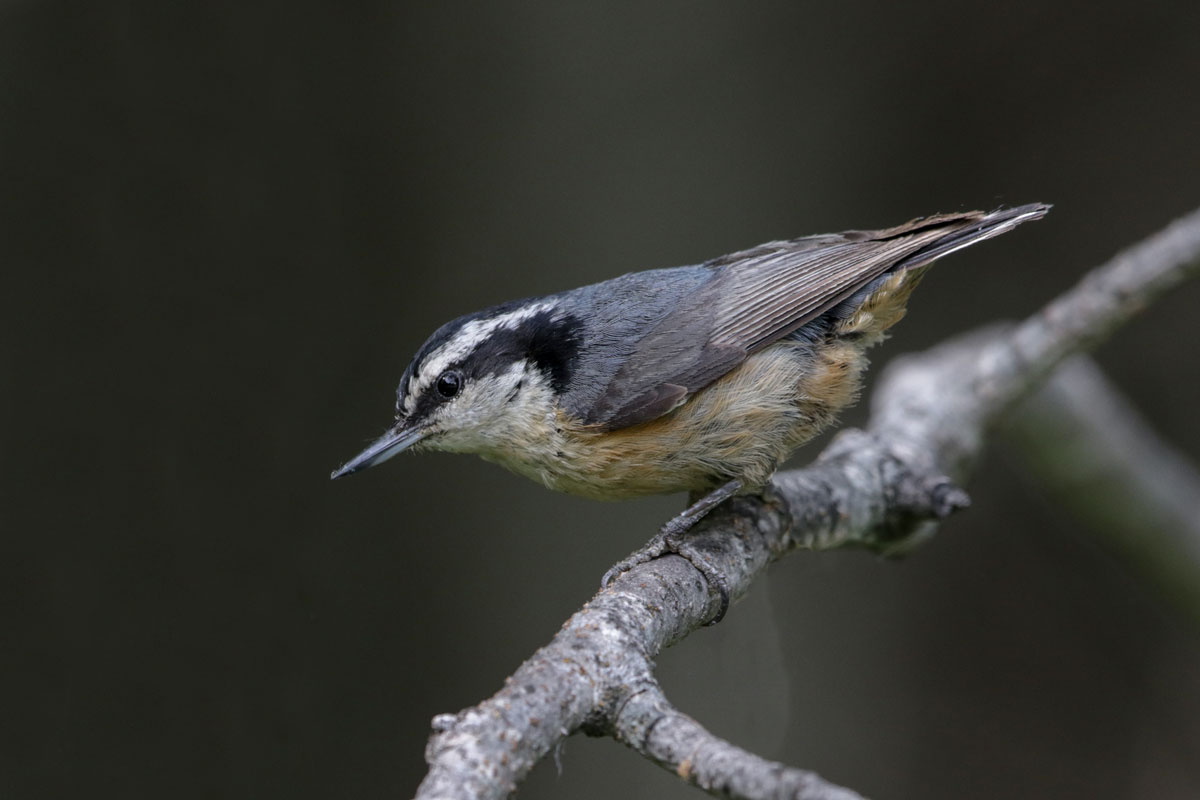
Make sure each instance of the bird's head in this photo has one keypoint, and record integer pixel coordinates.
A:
(478, 380)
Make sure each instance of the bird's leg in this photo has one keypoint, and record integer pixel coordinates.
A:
(667, 541)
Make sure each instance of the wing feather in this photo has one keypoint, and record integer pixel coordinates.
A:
(760, 295)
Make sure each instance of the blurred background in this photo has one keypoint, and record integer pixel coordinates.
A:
(225, 228)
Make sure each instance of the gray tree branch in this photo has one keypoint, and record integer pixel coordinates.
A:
(883, 488)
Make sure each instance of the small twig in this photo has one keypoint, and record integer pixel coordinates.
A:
(883, 488)
(651, 726)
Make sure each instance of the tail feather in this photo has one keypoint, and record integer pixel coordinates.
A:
(988, 226)
(879, 305)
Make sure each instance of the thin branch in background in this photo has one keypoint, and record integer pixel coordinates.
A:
(1090, 448)
(883, 488)
(980, 383)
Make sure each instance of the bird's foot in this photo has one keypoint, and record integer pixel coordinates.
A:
(668, 540)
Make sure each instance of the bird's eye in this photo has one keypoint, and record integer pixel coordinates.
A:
(449, 383)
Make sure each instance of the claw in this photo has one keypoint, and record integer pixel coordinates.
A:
(653, 549)
(667, 541)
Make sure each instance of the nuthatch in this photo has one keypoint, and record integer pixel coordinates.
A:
(699, 379)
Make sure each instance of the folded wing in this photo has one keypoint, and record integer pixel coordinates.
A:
(758, 296)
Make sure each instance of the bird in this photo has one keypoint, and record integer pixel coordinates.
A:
(698, 379)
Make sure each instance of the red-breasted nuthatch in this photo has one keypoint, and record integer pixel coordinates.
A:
(700, 378)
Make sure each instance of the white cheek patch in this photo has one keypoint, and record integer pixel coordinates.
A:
(491, 413)
(462, 344)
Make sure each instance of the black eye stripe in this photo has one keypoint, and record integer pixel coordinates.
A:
(547, 340)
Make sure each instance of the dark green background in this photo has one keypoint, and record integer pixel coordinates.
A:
(227, 226)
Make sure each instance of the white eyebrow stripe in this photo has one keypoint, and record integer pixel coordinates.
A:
(463, 343)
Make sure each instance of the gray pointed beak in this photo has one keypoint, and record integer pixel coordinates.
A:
(394, 441)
